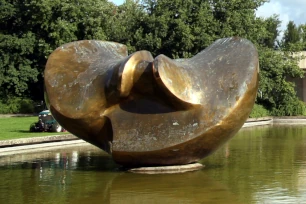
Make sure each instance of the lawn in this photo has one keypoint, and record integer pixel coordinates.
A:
(18, 127)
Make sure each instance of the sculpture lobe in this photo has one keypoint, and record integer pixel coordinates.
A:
(146, 111)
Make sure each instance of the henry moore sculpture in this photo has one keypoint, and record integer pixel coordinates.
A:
(147, 111)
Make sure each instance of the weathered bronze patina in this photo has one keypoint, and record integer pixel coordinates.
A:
(149, 112)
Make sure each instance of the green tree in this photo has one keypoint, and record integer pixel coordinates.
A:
(125, 22)
(237, 18)
(16, 51)
(272, 24)
(291, 40)
(32, 29)
(182, 28)
(302, 33)
(276, 93)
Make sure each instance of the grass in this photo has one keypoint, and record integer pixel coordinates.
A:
(18, 127)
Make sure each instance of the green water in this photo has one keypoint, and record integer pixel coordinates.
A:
(259, 165)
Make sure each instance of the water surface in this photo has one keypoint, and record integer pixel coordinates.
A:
(259, 165)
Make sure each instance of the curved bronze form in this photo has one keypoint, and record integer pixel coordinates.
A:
(145, 111)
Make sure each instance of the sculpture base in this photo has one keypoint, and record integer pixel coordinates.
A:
(167, 169)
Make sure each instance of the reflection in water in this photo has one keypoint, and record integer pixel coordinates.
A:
(192, 187)
(264, 164)
(260, 165)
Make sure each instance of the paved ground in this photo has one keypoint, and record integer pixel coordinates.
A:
(16, 115)
(36, 140)
(42, 146)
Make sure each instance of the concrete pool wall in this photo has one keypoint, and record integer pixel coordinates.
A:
(9, 147)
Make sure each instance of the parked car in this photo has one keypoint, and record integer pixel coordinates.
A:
(46, 123)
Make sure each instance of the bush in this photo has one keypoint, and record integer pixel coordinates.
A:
(16, 105)
(259, 111)
(295, 108)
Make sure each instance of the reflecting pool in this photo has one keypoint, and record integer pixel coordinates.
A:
(259, 165)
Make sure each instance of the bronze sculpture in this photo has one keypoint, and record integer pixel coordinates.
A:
(150, 112)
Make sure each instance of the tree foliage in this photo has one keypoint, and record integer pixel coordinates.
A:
(271, 24)
(291, 34)
(32, 29)
(182, 28)
(276, 93)
(294, 38)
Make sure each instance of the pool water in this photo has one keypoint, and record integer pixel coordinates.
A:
(259, 165)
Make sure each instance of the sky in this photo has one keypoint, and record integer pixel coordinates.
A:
(118, 2)
(287, 10)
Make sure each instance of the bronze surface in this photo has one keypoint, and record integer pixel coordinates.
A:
(149, 112)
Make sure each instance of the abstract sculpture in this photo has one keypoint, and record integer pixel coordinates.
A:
(151, 112)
